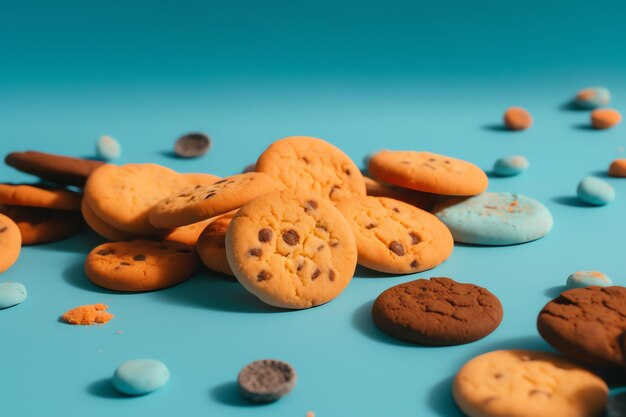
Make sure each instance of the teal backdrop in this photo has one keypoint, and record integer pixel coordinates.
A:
(420, 75)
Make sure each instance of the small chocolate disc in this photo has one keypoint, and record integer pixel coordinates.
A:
(192, 145)
(266, 380)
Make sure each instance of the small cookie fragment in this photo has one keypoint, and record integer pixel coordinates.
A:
(517, 118)
(192, 145)
(88, 315)
(140, 265)
(437, 312)
(509, 166)
(211, 246)
(593, 97)
(266, 380)
(524, 383)
(605, 118)
(140, 376)
(11, 294)
(587, 324)
(582, 279)
(594, 191)
(618, 168)
(108, 148)
(10, 242)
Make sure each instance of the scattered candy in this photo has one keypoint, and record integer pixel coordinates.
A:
(517, 118)
(605, 118)
(582, 279)
(140, 376)
(11, 294)
(108, 148)
(618, 168)
(593, 97)
(595, 191)
(267, 380)
(192, 145)
(510, 165)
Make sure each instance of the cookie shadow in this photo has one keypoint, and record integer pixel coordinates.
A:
(82, 242)
(228, 394)
(362, 321)
(363, 272)
(169, 154)
(440, 400)
(214, 293)
(76, 277)
(570, 200)
(496, 127)
(555, 291)
(104, 388)
(583, 126)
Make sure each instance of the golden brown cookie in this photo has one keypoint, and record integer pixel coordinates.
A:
(428, 172)
(123, 195)
(10, 242)
(375, 188)
(201, 179)
(312, 165)
(40, 225)
(140, 265)
(203, 202)
(211, 246)
(524, 383)
(101, 227)
(186, 234)
(396, 237)
(292, 249)
(39, 196)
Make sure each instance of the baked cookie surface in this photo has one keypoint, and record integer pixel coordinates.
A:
(10, 242)
(291, 249)
(396, 237)
(40, 225)
(312, 165)
(428, 172)
(39, 196)
(56, 168)
(211, 246)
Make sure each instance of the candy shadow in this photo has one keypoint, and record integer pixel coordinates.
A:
(208, 292)
(602, 174)
(170, 154)
(569, 200)
(228, 394)
(555, 291)
(76, 277)
(362, 321)
(104, 388)
(570, 105)
(496, 127)
(440, 400)
(583, 126)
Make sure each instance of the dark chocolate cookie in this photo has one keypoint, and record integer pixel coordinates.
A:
(56, 168)
(266, 380)
(588, 324)
(437, 311)
(192, 145)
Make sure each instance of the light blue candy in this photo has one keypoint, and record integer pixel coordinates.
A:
(12, 293)
(595, 191)
(108, 148)
(510, 165)
(582, 279)
(593, 97)
(495, 219)
(140, 376)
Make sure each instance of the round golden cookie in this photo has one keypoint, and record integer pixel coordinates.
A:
(201, 179)
(312, 165)
(101, 227)
(428, 172)
(523, 383)
(375, 188)
(396, 237)
(123, 195)
(41, 225)
(292, 249)
(10, 242)
(206, 201)
(211, 246)
(140, 265)
(39, 196)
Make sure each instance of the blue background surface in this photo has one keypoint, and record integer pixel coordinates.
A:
(431, 76)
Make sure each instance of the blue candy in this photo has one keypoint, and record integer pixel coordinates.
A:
(510, 165)
(108, 148)
(582, 279)
(595, 191)
(593, 97)
(12, 293)
(140, 376)
(495, 219)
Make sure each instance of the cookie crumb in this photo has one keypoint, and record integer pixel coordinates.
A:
(310, 414)
(88, 315)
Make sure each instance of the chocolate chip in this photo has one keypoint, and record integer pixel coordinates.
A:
(397, 248)
(291, 237)
(331, 274)
(414, 238)
(316, 273)
(300, 266)
(219, 182)
(265, 235)
(196, 187)
(396, 209)
(348, 173)
(124, 263)
(311, 205)
(139, 257)
(255, 252)
(370, 226)
(183, 250)
(192, 145)
(321, 227)
(332, 190)
(446, 161)
(499, 375)
(320, 247)
(306, 160)
(4, 229)
(432, 159)
(334, 243)
(209, 195)
(103, 252)
(414, 264)
(263, 276)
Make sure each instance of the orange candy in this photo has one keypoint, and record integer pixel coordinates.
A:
(605, 118)
(88, 315)
(517, 118)
(618, 168)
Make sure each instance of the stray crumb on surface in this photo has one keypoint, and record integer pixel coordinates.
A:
(88, 315)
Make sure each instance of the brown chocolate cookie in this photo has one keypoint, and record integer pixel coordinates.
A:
(437, 312)
(56, 168)
(588, 324)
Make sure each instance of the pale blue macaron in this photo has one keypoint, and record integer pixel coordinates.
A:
(11, 294)
(593, 97)
(582, 279)
(495, 219)
(595, 191)
(140, 376)
(508, 166)
(108, 148)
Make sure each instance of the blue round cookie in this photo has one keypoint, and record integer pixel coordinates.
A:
(595, 191)
(140, 376)
(582, 279)
(495, 219)
(508, 166)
